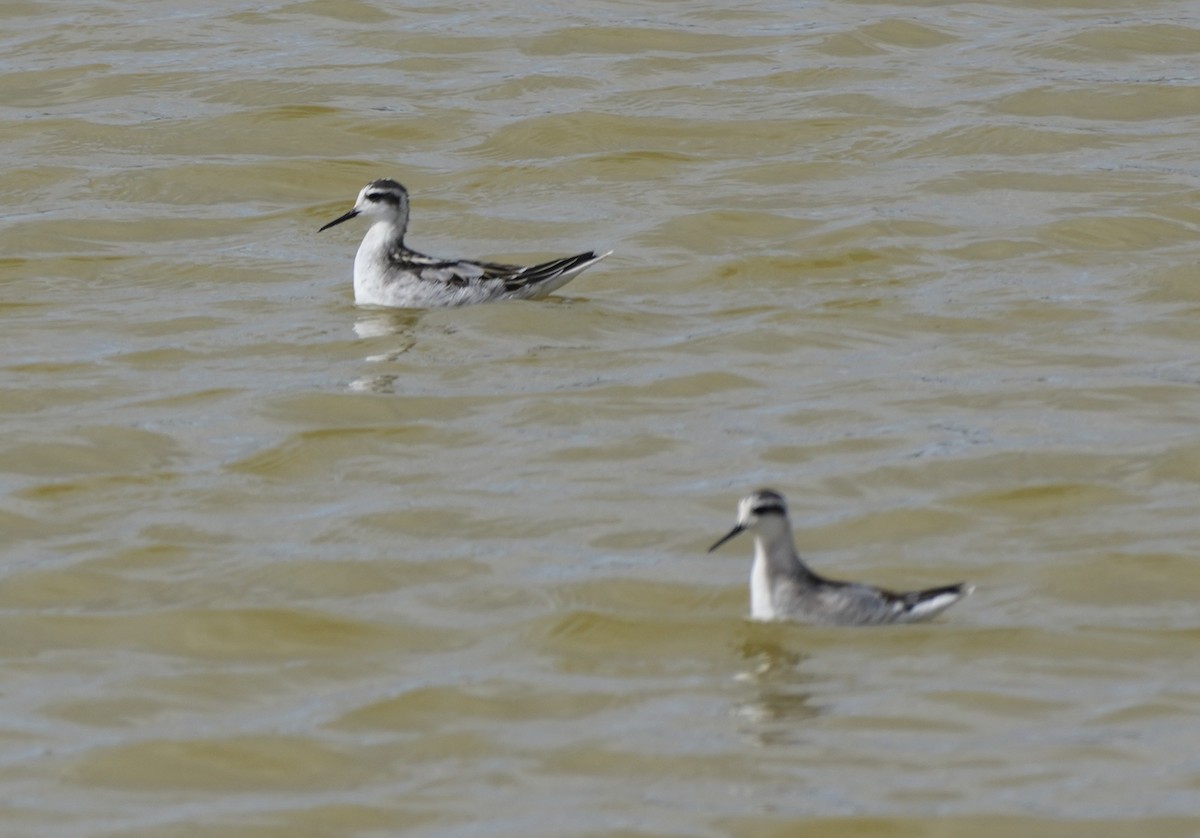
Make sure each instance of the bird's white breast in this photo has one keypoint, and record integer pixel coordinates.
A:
(761, 605)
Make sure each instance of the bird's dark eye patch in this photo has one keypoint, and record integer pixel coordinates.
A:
(769, 509)
(389, 197)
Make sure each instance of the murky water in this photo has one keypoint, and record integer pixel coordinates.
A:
(274, 566)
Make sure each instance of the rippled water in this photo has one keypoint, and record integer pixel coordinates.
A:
(274, 565)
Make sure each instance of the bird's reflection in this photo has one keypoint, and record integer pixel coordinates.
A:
(385, 322)
(395, 330)
(782, 698)
(771, 660)
(380, 384)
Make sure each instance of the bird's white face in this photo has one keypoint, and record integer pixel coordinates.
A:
(747, 517)
(382, 202)
(763, 510)
(754, 509)
(379, 200)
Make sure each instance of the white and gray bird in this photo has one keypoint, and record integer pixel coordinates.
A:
(388, 273)
(782, 587)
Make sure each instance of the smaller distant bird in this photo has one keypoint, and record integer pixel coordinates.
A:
(388, 273)
(783, 588)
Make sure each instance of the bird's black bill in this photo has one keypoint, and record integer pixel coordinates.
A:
(727, 536)
(338, 221)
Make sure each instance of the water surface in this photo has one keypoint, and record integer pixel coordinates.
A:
(275, 565)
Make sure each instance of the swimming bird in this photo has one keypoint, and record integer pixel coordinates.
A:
(782, 587)
(388, 273)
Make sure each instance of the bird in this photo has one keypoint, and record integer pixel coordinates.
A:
(388, 273)
(782, 587)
